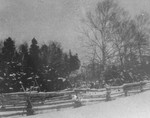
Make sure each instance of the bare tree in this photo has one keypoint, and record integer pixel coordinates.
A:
(123, 39)
(98, 30)
(142, 34)
(113, 37)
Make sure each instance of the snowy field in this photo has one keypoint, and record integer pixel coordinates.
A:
(136, 106)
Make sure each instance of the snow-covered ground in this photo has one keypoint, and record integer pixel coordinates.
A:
(136, 106)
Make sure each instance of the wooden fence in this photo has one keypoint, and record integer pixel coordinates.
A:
(30, 102)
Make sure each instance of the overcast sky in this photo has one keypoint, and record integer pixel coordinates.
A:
(51, 19)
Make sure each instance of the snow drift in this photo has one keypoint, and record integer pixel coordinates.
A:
(136, 106)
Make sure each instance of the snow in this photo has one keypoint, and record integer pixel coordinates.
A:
(1, 78)
(61, 78)
(136, 106)
(29, 78)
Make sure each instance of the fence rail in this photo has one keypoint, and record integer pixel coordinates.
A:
(28, 101)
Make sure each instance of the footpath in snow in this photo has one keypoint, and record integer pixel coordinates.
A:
(136, 106)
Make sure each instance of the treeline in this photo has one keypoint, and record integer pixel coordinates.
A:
(119, 44)
(42, 67)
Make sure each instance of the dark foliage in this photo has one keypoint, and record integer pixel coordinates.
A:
(35, 68)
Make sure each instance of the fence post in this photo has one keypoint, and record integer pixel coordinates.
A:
(77, 100)
(3, 106)
(29, 109)
(2, 101)
(108, 93)
(125, 91)
(141, 87)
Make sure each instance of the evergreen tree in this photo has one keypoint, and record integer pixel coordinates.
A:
(8, 65)
(74, 62)
(34, 55)
(40, 67)
(8, 50)
(24, 55)
(65, 65)
(44, 54)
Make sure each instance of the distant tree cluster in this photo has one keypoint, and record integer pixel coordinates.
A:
(43, 67)
(118, 44)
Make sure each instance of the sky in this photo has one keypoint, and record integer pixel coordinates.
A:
(57, 20)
